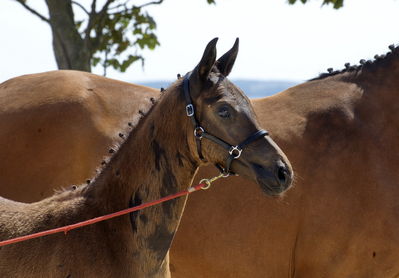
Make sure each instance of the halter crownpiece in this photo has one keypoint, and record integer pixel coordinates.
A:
(199, 133)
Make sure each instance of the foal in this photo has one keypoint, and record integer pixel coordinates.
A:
(159, 157)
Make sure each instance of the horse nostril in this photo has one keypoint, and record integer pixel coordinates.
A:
(282, 175)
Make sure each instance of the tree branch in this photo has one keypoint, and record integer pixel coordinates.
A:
(119, 5)
(150, 3)
(81, 6)
(92, 17)
(93, 6)
(33, 11)
(98, 19)
(105, 7)
(127, 10)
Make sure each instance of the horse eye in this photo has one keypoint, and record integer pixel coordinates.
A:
(224, 112)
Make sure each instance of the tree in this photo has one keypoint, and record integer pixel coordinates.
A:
(111, 35)
(336, 3)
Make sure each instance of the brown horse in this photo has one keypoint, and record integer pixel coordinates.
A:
(56, 127)
(340, 220)
(158, 158)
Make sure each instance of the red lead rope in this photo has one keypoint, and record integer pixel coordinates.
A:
(204, 184)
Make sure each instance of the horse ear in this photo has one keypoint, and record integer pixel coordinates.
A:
(207, 61)
(202, 70)
(226, 62)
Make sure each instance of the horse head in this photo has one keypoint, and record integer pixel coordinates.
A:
(226, 131)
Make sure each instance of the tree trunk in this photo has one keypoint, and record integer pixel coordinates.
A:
(68, 45)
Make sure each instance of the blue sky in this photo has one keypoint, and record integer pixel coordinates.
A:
(277, 40)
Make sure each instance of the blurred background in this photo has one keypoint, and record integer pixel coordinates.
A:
(149, 42)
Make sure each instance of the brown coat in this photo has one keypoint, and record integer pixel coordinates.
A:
(339, 220)
(158, 158)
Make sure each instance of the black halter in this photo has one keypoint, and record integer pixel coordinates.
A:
(199, 133)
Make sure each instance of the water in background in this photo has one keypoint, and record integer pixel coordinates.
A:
(253, 88)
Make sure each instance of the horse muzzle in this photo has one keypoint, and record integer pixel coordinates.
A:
(273, 180)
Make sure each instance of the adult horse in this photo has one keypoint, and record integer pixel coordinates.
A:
(340, 133)
(159, 157)
(56, 127)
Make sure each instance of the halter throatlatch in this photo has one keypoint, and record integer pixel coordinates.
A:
(199, 133)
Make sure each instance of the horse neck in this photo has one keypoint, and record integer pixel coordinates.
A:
(379, 82)
(156, 155)
(350, 117)
(154, 161)
(377, 108)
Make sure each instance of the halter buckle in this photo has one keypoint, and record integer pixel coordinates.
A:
(235, 151)
(198, 132)
(189, 110)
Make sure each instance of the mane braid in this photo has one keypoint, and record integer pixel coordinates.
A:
(176, 87)
(365, 65)
(154, 161)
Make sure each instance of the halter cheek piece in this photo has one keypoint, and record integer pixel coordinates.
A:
(199, 133)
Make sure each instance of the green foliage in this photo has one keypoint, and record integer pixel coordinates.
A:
(119, 32)
(119, 35)
(336, 3)
(114, 34)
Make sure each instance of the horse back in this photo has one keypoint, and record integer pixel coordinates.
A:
(68, 119)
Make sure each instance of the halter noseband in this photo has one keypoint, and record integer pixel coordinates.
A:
(199, 133)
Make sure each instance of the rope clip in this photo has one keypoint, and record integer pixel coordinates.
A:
(208, 182)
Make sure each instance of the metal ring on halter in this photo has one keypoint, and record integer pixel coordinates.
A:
(233, 151)
(198, 131)
(190, 110)
(207, 182)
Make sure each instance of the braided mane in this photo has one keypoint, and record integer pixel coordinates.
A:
(378, 61)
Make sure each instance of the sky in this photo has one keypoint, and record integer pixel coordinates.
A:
(277, 41)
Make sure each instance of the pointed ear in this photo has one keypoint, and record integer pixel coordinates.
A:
(201, 72)
(226, 62)
(208, 59)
